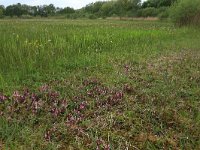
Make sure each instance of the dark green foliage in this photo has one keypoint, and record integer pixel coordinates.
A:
(157, 3)
(155, 8)
(92, 16)
(99, 9)
(19, 10)
(108, 9)
(185, 12)
(148, 12)
(163, 12)
(46, 10)
(2, 11)
(66, 10)
(119, 7)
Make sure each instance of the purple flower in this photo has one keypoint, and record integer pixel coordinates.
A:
(118, 95)
(55, 112)
(107, 147)
(26, 92)
(34, 97)
(70, 120)
(64, 104)
(2, 98)
(1, 113)
(82, 106)
(53, 96)
(44, 88)
(19, 98)
(99, 142)
(47, 135)
(36, 105)
(16, 94)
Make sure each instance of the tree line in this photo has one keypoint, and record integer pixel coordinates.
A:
(103, 9)
(23, 9)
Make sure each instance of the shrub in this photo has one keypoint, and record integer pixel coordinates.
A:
(163, 12)
(186, 12)
(148, 12)
(26, 17)
(1, 13)
(92, 16)
(73, 16)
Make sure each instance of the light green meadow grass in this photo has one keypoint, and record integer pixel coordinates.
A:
(34, 49)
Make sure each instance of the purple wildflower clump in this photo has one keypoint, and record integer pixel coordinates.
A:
(53, 133)
(82, 106)
(34, 97)
(19, 98)
(76, 116)
(113, 98)
(53, 96)
(97, 91)
(55, 112)
(3, 98)
(71, 120)
(47, 135)
(63, 106)
(127, 68)
(44, 88)
(64, 103)
(48, 104)
(91, 82)
(118, 95)
(128, 89)
(101, 144)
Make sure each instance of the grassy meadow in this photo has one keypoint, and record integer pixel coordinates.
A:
(99, 84)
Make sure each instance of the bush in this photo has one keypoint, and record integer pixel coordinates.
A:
(163, 12)
(186, 12)
(26, 17)
(1, 13)
(92, 16)
(73, 16)
(148, 12)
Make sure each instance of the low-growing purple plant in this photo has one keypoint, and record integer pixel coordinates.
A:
(3, 98)
(47, 102)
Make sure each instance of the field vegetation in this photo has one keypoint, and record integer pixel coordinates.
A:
(99, 9)
(106, 84)
(100, 84)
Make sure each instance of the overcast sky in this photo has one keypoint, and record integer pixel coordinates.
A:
(58, 3)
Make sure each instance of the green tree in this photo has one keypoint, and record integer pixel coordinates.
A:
(1, 13)
(66, 10)
(149, 12)
(50, 9)
(124, 6)
(18, 11)
(158, 3)
(185, 12)
(14, 10)
(107, 9)
(10, 11)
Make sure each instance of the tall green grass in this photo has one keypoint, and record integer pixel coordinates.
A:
(38, 49)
